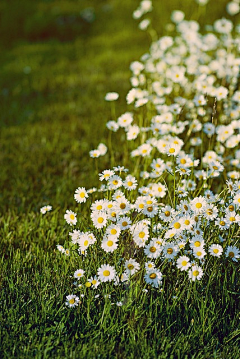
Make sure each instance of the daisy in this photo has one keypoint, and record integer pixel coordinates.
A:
(113, 231)
(125, 120)
(45, 209)
(172, 149)
(95, 153)
(149, 266)
(70, 217)
(106, 174)
(79, 273)
(124, 223)
(106, 273)
(122, 206)
(215, 250)
(198, 205)
(183, 263)
(170, 250)
(233, 253)
(81, 195)
(109, 244)
(152, 250)
(72, 301)
(195, 272)
(199, 252)
(130, 183)
(236, 199)
(197, 243)
(111, 96)
(114, 182)
(131, 266)
(99, 219)
(153, 277)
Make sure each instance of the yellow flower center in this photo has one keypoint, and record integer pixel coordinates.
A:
(106, 273)
(115, 182)
(99, 207)
(141, 234)
(141, 205)
(185, 207)
(184, 263)
(100, 220)
(152, 249)
(109, 243)
(72, 217)
(199, 254)
(72, 301)
(209, 211)
(82, 194)
(85, 243)
(113, 231)
(79, 274)
(215, 250)
(231, 254)
(150, 209)
(169, 251)
(167, 213)
(130, 266)
(94, 282)
(152, 275)
(232, 219)
(195, 273)
(198, 205)
(197, 244)
(171, 150)
(177, 225)
(231, 208)
(222, 223)
(124, 224)
(183, 161)
(130, 183)
(122, 205)
(113, 214)
(187, 222)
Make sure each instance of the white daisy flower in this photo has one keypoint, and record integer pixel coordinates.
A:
(106, 273)
(72, 301)
(79, 273)
(81, 195)
(195, 272)
(70, 217)
(131, 266)
(45, 209)
(233, 253)
(183, 263)
(215, 250)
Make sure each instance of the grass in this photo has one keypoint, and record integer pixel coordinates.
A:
(52, 114)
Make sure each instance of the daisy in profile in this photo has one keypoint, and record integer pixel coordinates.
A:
(233, 253)
(106, 174)
(195, 273)
(79, 273)
(106, 273)
(215, 250)
(81, 195)
(45, 209)
(183, 263)
(153, 277)
(111, 96)
(72, 301)
(70, 217)
(131, 266)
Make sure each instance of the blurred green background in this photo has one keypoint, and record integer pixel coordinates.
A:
(58, 59)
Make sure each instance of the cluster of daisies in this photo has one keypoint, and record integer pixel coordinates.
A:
(181, 209)
(133, 235)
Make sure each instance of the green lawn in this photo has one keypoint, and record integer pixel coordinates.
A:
(56, 68)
